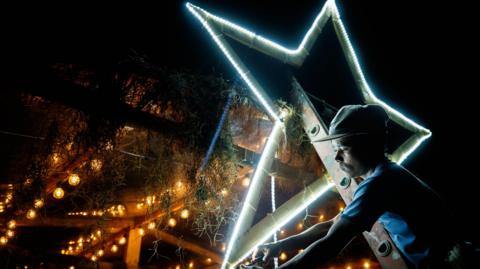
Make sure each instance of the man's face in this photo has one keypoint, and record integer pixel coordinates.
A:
(350, 157)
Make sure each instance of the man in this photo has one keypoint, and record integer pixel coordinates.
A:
(410, 211)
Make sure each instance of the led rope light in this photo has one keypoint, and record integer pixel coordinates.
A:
(295, 57)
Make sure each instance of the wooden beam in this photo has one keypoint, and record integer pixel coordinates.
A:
(193, 247)
(132, 252)
(75, 222)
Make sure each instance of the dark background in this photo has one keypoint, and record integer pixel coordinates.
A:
(418, 56)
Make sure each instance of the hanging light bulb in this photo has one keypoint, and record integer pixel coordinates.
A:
(73, 180)
(38, 203)
(141, 232)
(31, 214)
(122, 240)
(55, 158)
(100, 252)
(184, 214)
(28, 182)
(58, 193)
(10, 233)
(11, 224)
(224, 192)
(283, 256)
(93, 258)
(151, 225)
(149, 200)
(172, 222)
(3, 240)
(114, 248)
(96, 164)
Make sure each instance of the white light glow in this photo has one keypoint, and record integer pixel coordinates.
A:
(285, 220)
(246, 76)
(328, 10)
(254, 184)
(216, 26)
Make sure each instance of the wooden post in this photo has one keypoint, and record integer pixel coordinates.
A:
(134, 245)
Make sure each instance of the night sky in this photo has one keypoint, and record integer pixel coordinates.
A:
(415, 56)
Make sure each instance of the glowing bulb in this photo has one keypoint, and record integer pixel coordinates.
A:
(283, 256)
(149, 200)
(300, 226)
(209, 260)
(366, 265)
(190, 265)
(69, 146)
(340, 209)
(28, 182)
(3, 240)
(58, 193)
(139, 205)
(349, 267)
(114, 248)
(38, 203)
(55, 158)
(100, 252)
(62, 252)
(321, 218)
(121, 210)
(300, 250)
(246, 182)
(96, 164)
(10, 233)
(93, 258)
(180, 188)
(11, 224)
(172, 222)
(141, 232)
(99, 232)
(151, 225)
(282, 232)
(224, 192)
(73, 180)
(177, 267)
(31, 214)
(122, 240)
(184, 214)
(71, 267)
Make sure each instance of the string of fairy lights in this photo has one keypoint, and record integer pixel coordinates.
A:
(97, 243)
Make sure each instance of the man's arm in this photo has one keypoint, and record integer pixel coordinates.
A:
(341, 232)
(306, 237)
(301, 240)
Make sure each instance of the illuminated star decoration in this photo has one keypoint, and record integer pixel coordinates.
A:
(217, 27)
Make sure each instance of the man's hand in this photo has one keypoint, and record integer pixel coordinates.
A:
(266, 251)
